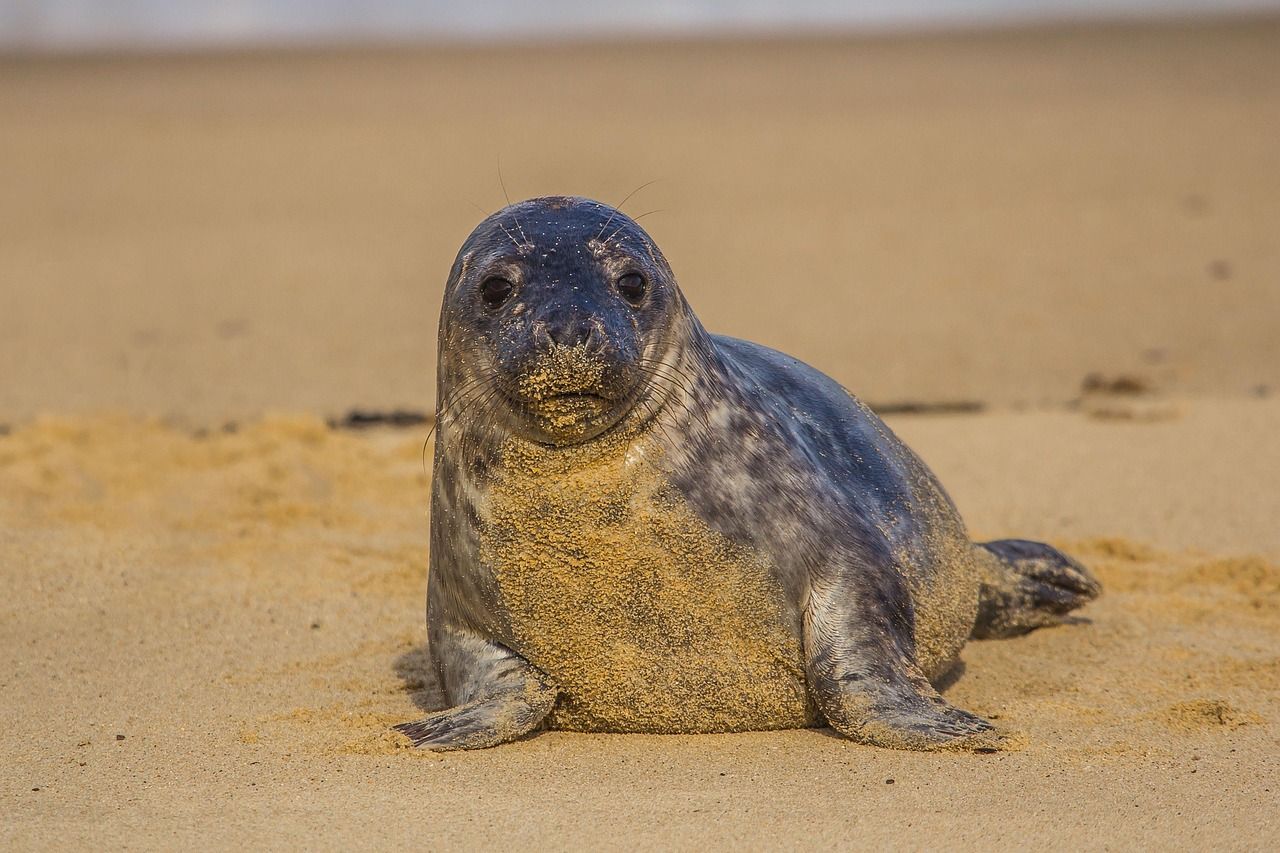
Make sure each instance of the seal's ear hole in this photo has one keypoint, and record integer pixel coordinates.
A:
(495, 290)
(633, 287)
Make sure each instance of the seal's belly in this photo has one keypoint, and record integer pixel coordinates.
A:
(648, 620)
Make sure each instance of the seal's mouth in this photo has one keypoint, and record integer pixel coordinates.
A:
(572, 404)
(569, 395)
(575, 398)
(571, 415)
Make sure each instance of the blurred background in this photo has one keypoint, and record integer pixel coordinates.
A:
(168, 24)
(212, 210)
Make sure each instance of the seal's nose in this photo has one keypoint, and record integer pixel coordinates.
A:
(570, 331)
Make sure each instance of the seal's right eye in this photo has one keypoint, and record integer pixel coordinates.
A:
(633, 287)
(495, 290)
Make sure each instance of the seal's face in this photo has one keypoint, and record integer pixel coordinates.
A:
(562, 308)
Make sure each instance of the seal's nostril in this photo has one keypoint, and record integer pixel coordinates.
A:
(573, 333)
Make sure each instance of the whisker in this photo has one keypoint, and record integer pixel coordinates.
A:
(478, 408)
(484, 213)
(654, 418)
(670, 372)
(455, 396)
(619, 229)
(622, 203)
(471, 402)
(615, 233)
(427, 441)
(461, 394)
(503, 183)
(617, 207)
(510, 237)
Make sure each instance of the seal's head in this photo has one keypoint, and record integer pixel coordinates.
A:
(559, 311)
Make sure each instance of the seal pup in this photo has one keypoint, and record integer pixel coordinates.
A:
(637, 526)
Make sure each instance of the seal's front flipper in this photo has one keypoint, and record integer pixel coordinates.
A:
(503, 715)
(499, 695)
(910, 717)
(860, 662)
(901, 710)
(1028, 585)
(481, 723)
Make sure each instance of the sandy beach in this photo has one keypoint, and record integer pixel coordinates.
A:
(1050, 256)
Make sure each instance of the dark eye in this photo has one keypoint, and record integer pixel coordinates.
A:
(633, 287)
(495, 291)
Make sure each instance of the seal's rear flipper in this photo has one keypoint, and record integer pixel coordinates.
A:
(1028, 585)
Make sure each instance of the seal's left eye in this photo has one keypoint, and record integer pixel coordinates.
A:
(633, 287)
(495, 291)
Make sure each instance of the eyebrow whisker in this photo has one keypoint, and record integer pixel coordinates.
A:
(618, 206)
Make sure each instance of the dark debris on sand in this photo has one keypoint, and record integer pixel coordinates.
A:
(357, 419)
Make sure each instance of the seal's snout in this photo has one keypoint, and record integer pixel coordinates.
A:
(570, 332)
(571, 393)
(559, 370)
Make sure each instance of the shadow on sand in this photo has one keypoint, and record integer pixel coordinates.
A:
(418, 678)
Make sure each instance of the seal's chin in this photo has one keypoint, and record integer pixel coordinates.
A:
(572, 417)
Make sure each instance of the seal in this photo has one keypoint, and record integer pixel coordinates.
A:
(637, 526)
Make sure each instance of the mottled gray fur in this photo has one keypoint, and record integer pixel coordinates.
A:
(769, 452)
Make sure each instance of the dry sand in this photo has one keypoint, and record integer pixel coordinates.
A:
(207, 631)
